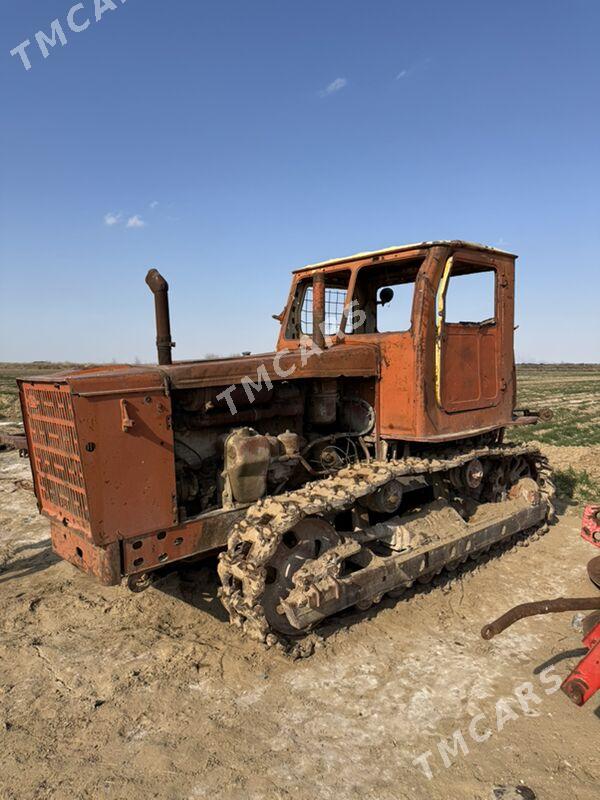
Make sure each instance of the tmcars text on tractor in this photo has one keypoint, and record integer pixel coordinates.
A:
(364, 454)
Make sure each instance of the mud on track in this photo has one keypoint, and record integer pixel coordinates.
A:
(106, 694)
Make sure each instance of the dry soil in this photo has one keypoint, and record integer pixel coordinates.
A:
(108, 694)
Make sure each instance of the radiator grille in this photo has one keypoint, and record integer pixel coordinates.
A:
(55, 453)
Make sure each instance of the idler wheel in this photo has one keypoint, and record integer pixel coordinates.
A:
(386, 500)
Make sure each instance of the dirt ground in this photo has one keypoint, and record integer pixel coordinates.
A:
(108, 694)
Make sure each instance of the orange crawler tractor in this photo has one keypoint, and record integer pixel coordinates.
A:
(366, 453)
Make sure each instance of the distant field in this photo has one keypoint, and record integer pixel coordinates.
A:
(572, 391)
(9, 395)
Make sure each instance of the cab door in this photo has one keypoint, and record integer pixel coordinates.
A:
(469, 338)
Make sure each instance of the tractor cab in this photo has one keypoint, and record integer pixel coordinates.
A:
(441, 315)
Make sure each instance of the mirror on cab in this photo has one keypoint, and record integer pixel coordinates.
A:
(386, 295)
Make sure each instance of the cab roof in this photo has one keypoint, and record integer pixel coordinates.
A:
(402, 248)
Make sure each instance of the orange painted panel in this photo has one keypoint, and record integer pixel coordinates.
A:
(488, 366)
(469, 368)
(127, 451)
(397, 388)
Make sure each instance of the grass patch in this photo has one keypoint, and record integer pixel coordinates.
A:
(577, 486)
(559, 387)
(568, 429)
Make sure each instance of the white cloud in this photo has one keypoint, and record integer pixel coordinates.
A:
(418, 65)
(111, 218)
(153, 204)
(335, 86)
(135, 222)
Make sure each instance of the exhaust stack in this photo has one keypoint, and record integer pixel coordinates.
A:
(160, 289)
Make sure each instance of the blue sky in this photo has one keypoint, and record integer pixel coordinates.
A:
(213, 124)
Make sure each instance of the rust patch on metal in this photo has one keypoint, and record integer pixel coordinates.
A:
(55, 453)
(535, 609)
(593, 569)
(590, 524)
(102, 562)
(199, 536)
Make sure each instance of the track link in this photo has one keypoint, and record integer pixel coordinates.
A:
(253, 541)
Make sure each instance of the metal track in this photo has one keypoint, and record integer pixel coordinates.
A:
(254, 540)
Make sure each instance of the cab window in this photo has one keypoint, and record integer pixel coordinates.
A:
(470, 296)
(300, 322)
(385, 294)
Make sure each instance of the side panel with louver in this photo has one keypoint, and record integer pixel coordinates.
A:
(55, 454)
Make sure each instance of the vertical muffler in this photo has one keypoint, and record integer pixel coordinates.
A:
(160, 289)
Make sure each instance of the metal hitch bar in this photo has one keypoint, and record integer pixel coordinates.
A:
(584, 680)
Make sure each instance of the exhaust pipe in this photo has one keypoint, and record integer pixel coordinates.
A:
(160, 289)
